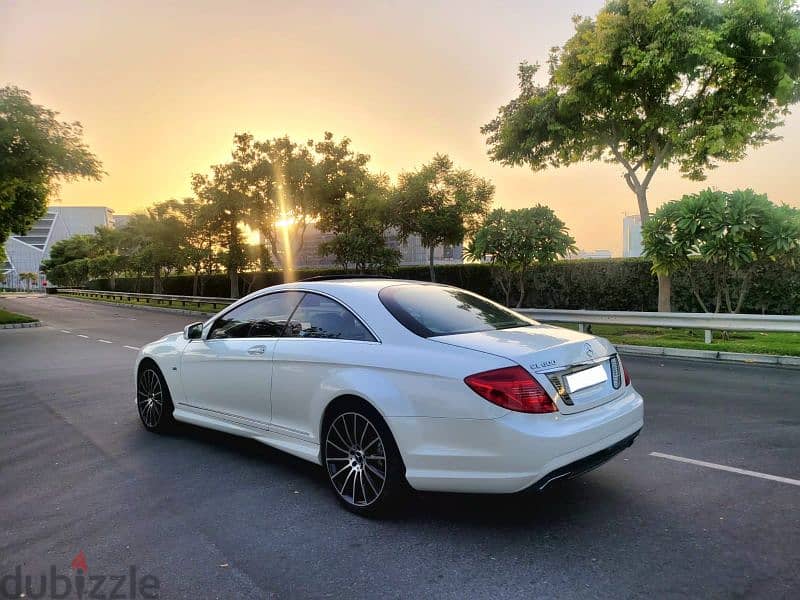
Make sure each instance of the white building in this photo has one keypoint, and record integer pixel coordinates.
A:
(412, 252)
(121, 220)
(632, 236)
(25, 253)
(580, 254)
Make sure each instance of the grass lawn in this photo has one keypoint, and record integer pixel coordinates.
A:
(737, 341)
(9, 317)
(198, 306)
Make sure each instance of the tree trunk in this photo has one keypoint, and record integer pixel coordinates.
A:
(112, 282)
(743, 291)
(664, 293)
(234, 277)
(263, 252)
(194, 284)
(158, 287)
(433, 271)
(521, 289)
(664, 281)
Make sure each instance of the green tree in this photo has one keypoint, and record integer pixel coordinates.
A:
(275, 175)
(36, 152)
(293, 204)
(654, 83)
(515, 240)
(106, 260)
(228, 203)
(200, 240)
(359, 224)
(152, 242)
(737, 233)
(68, 263)
(441, 204)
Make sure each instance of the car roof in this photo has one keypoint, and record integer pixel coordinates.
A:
(344, 284)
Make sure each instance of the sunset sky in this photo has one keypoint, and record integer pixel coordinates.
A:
(161, 88)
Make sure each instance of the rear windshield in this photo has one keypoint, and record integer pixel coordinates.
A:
(431, 310)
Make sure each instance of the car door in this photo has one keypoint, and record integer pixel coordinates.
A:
(322, 341)
(227, 374)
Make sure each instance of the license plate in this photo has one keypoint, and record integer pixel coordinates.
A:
(586, 378)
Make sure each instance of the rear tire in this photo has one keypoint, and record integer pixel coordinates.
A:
(364, 467)
(153, 400)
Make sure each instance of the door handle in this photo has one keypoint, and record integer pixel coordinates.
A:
(256, 350)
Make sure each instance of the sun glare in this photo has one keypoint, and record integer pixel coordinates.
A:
(285, 222)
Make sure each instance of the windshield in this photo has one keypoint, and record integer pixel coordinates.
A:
(431, 310)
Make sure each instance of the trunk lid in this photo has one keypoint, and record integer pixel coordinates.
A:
(551, 354)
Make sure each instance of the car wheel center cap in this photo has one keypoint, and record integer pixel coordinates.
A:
(356, 459)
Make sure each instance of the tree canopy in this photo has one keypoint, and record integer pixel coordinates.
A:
(441, 204)
(514, 240)
(648, 84)
(277, 188)
(735, 232)
(359, 223)
(36, 152)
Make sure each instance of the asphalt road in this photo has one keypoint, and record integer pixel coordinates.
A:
(214, 516)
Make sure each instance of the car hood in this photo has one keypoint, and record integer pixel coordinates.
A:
(536, 347)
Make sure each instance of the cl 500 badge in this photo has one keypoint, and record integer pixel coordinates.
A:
(544, 364)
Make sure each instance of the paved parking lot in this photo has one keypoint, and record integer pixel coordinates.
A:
(213, 516)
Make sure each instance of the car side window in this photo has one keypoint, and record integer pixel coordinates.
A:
(321, 317)
(265, 316)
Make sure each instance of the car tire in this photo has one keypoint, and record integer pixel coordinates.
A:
(153, 400)
(362, 462)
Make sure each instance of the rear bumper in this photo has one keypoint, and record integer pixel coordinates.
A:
(516, 451)
(586, 464)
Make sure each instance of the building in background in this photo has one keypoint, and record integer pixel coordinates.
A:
(412, 252)
(583, 254)
(25, 253)
(121, 220)
(632, 236)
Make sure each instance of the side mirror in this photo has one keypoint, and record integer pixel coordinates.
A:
(193, 331)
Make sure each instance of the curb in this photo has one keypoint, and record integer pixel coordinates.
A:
(712, 355)
(176, 311)
(21, 325)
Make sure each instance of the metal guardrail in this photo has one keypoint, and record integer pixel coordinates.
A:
(707, 321)
(170, 300)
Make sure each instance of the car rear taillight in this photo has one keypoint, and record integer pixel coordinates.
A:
(512, 388)
(627, 377)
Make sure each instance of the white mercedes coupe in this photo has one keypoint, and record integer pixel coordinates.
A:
(391, 384)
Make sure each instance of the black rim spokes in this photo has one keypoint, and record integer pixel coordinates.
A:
(355, 459)
(150, 397)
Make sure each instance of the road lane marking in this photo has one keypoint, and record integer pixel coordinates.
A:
(702, 463)
(104, 341)
(65, 331)
(131, 347)
(83, 336)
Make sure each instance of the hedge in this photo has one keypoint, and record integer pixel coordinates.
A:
(607, 284)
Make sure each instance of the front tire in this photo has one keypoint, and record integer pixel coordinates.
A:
(153, 400)
(362, 461)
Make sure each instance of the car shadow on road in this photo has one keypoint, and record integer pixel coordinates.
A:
(562, 501)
